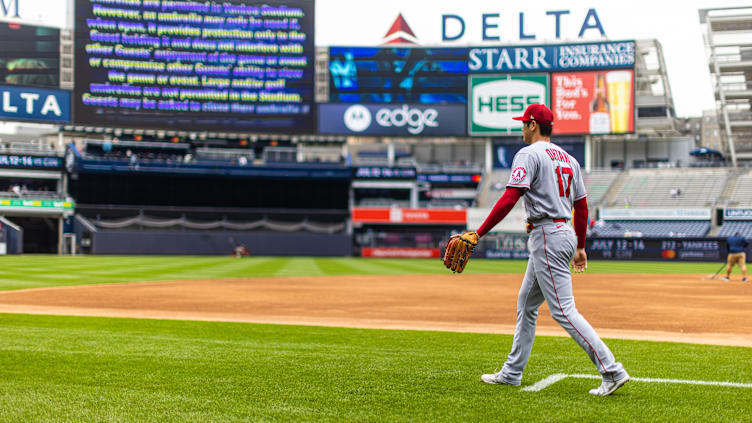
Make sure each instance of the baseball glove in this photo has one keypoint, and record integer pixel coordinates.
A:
(458, 251)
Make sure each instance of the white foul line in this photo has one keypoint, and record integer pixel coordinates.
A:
(550, 380)
(543, 383)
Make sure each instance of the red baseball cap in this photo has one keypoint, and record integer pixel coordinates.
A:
(539, 113)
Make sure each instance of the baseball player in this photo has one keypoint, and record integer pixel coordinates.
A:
(551, 183)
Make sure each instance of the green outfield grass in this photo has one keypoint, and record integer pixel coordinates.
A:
(18, 272)
(101, 369)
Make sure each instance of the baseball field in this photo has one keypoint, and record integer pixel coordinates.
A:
(300, 339)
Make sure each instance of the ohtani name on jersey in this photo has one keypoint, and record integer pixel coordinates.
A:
(557, 155)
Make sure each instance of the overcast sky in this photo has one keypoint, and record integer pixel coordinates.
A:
(364, 22)
(675, 24)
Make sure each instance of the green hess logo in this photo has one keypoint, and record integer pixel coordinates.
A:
(496, 99)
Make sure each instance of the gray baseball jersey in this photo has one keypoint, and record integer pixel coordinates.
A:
(553, 180)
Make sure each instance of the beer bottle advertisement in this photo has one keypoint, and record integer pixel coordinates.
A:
(598, 102)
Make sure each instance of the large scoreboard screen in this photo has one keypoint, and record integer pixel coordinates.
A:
(229, 65)
(398, 75)
(29, 55)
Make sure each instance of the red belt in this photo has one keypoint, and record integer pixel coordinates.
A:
(529, 226)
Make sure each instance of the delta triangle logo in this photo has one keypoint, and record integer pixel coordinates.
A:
(400, 33)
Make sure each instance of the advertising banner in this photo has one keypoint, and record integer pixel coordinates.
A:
(384, 172)
(30, 162)
(737, 214)
(417, 75)
(409, 216)
(455, 178)
(397, 120)
(686, 249)
(514, 222)
(29, 55)
(229, 66)
(399, 252)
(496, 99)
(479, 21)
(605, 55)
(593, 102)
(507, 247)
(34, 104)
(655, 214)
(36, 206)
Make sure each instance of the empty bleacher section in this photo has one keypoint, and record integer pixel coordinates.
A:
(671, 188)
(136, 151)
(597, 184)
(27, 147)
(427, 157)
(225, 155)
(647, 228)
(731, 227)
(492, 187)
(742, 194)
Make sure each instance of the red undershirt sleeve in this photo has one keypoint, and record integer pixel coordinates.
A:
(501, 209)
(580, 221)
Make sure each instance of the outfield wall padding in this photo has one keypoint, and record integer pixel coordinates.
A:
(219, 243)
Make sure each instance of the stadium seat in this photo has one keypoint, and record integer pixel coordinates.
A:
(652, 228)
(671, 188)
(731, 227)
(742, 194)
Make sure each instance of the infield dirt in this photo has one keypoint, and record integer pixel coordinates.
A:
(680, 308)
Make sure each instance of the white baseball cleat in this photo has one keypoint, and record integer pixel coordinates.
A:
(608, 388)
(496, 379)
(723, 278)
(745, 280)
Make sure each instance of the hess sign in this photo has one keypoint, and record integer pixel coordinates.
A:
(496, 99)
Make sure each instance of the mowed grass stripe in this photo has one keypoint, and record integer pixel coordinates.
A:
(136, 370)
(297, 265)
(337, 266)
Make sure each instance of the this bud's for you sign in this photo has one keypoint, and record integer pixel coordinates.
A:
(600, 102)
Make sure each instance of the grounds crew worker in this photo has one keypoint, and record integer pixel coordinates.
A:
(736, 246)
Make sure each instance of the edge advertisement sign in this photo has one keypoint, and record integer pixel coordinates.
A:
(496, 99)
(408, 120)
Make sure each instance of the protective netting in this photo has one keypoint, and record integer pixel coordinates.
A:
(149, 222)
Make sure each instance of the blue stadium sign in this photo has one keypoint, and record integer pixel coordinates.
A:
(34, 104)
(561, 57)
(397, 120)
(30, 162)
(737, 214)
